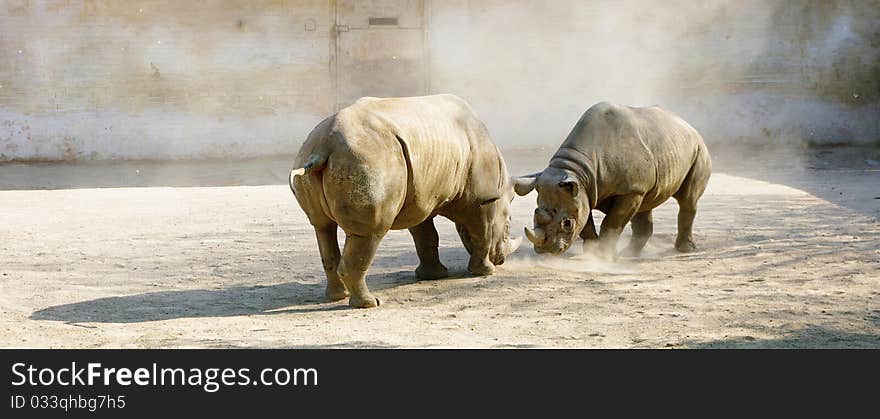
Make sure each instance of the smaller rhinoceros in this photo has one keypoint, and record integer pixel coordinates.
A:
(396, 163)
(625, 162)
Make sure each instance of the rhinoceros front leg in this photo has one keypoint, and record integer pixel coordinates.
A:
(329, 248)
(479, 263)
(622, 211)
(427, 242)
(591, 238)
(357, 256)
(642, 227)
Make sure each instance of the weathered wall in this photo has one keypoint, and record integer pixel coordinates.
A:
(746, 70)
(160, 79)
(237, 78)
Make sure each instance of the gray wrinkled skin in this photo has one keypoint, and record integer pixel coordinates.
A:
(624, 162)
(396, 163)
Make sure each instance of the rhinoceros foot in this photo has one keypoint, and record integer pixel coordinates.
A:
(437, 271)
(363, 302)
(481, 268)
(685, 245)
(631, 252)
(335, 294)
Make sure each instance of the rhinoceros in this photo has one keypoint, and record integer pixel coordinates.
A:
(395, 163)
(624, 162)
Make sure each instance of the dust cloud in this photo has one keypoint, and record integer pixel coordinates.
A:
(573, 261)
(752, 72)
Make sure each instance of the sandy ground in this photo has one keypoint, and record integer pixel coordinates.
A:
(789, 257)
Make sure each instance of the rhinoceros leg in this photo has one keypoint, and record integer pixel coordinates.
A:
(357, 256)
(329, 248)
(427, 241)
(591, 238)
(642, 227)
(479, 263)
(687, 196)
(684, 242)
(620, 213)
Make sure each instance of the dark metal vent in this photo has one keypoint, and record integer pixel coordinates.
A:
(383, 21)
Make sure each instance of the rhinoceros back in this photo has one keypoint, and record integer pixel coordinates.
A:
(409, 156)
(644, 150)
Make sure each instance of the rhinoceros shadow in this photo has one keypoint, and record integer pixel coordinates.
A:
(809, 336)
(454, 258)
(389, 270)
(291, 297)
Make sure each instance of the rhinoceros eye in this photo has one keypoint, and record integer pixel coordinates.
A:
(568, 225)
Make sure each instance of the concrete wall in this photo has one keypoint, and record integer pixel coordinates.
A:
(162, 79)
(752, 71)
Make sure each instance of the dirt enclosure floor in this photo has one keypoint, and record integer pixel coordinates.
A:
(217, 254)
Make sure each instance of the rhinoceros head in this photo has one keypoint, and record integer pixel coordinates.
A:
(562, 210)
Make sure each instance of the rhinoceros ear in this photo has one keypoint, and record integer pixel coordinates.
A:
(570, 185)
(524, 184)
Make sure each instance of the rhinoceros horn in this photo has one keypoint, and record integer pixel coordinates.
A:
(535, 236)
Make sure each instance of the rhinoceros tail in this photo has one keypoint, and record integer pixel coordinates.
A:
(293, 173)
(315, 163)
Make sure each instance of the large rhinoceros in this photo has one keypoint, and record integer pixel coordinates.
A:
(623, 161)
(396, 163)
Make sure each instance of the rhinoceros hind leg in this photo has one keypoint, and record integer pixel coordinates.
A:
(357, 256)
(685, 241)
(329, 248)
(431, 272)
(687, 196)
(642, 227)
(427, 241)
